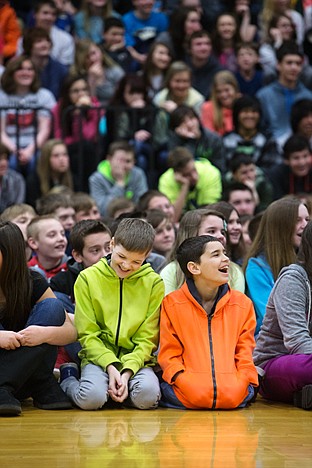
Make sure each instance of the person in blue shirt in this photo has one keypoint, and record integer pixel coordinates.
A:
(277, 98)
(274, 247)
(142, 27)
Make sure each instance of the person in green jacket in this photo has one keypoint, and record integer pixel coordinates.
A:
(189, 184)
(117, 317)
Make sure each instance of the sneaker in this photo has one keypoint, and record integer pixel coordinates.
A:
(9, 406)
(303, 398)
(54, 399)
(69, 369)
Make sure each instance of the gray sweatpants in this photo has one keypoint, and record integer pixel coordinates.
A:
(91, 391)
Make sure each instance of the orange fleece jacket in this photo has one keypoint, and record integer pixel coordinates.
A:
(9, 30)
(215, 354)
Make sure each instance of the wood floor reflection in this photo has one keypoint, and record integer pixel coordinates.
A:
(264, 435)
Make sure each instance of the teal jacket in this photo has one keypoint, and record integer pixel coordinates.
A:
(118, 319)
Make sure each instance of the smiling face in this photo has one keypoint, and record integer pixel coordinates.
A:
(302, 221)
(248, 119)
(226, 27)
(226, 94)
(234, 228)
(213, 267)
(45, 17)
(124, 262)
(180, 84)
(25, 75)
(96, 246)
(51, 242)
(214, 226)
(161, 57)
(300, 162)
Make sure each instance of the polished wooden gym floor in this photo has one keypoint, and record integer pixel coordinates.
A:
(264, 435)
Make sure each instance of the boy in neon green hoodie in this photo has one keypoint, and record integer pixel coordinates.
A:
(117, 317)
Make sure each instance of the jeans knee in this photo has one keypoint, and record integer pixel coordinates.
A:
(49, 312)
(145, 395)
(90, 398)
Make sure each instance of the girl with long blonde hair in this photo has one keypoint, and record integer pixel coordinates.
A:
(217, 114)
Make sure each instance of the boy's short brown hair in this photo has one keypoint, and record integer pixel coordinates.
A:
(120, 146)
(179, 157)
(48, 204)
(247, 45)
(85, 228)
(135, 235)
(82, 201)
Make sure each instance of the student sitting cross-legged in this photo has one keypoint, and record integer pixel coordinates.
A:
(206, 334)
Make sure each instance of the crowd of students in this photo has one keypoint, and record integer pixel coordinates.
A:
(156, 168)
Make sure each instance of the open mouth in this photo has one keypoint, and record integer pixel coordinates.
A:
(224, 269)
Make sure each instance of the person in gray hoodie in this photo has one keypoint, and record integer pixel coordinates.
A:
(117, 176)
(284, 346)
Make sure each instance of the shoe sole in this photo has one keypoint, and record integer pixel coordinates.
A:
(10, 410)
(53, 406)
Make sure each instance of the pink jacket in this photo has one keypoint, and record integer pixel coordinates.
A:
(89, 124)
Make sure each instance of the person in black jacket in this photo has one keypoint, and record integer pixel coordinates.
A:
(90, 241)
(294, 175)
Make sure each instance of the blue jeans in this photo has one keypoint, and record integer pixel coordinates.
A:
(72, 349)
(24, 169)
(47, 313)
(170, 400)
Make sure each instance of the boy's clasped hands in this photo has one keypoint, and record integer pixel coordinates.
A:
(118, 383)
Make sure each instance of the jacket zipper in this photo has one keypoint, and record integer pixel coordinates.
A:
(212, 364)
(119, 315)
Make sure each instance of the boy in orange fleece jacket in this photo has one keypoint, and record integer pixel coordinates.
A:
(206, 334)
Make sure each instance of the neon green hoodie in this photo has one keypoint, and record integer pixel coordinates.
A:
(118, 319)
